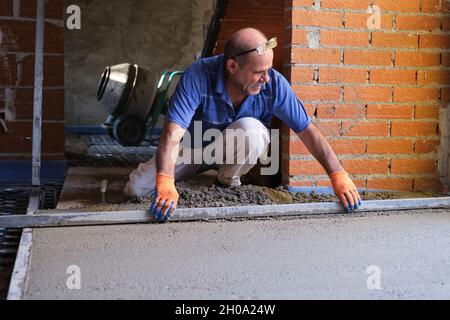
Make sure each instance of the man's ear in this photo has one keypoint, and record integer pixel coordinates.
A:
(232, 66)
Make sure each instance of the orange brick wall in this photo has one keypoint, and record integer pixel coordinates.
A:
(265, 15)
(375, 94)
(17, 26)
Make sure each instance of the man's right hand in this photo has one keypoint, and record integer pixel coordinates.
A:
(166, 198)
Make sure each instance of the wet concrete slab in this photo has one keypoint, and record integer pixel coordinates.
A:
(325, 257)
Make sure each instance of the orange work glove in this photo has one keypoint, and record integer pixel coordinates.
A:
(346, 190)
(166, 197)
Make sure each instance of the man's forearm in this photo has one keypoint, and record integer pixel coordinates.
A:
(164, 161)
(320, 149)
(168, 149)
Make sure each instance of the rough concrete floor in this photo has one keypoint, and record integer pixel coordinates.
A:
(309, 258)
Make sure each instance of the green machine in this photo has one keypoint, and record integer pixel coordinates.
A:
(135, 100)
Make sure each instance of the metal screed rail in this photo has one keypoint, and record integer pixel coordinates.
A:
(71, 218)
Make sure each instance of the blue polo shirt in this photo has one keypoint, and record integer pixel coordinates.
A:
(201, 96)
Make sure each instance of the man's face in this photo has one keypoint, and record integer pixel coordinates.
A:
(254, 73)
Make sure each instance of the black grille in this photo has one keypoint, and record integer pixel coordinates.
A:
(14, 201)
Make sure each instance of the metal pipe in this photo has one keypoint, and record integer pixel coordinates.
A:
(38, 82)
(71, 218)
(19, 277)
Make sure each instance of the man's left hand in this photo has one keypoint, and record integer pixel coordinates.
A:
(346, 190)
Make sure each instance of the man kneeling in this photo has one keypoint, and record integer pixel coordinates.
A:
(238, 91)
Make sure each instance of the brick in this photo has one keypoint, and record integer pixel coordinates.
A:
(19, 138)
(427, 112)
(21, 37)
(446, 25)
(367, 58)
(389, 146)
(339, 75)
(393, 76)
(399, 6)
(445, 59)
(299, 37)
(53, 138)
(415, 94)
(298, 3)
(366, 166)
(414, 129)
(301, 184)
(256, 10)
(305, 167)
(433, 77)
(435, 6)
(53, 9)
(429, 185)
(344, 111)
(426, 146)
(317, 93)
(341, 147)
(312, 18)
(390, 112)
(327, 183)
(313, 56)
(403, 184)
(434, 41)
(344, 38)
(422, 23)
(53, 71)
(54, 39)
(8, 74)
(359, 21)
(300, 74)
(52, 104)
(413, 166)
(329, 129)
(323, 183)
(345, 4)
(297, 147)
(394, 40)
(365, 129)
(416, 59)
(445, 95)
(369, 94)
(6, 8)
(348, 146)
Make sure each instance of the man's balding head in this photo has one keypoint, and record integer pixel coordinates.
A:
(243, 40)
(247, 73)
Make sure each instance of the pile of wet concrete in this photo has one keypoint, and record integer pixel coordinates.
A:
(198, 195)
(216, 195)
